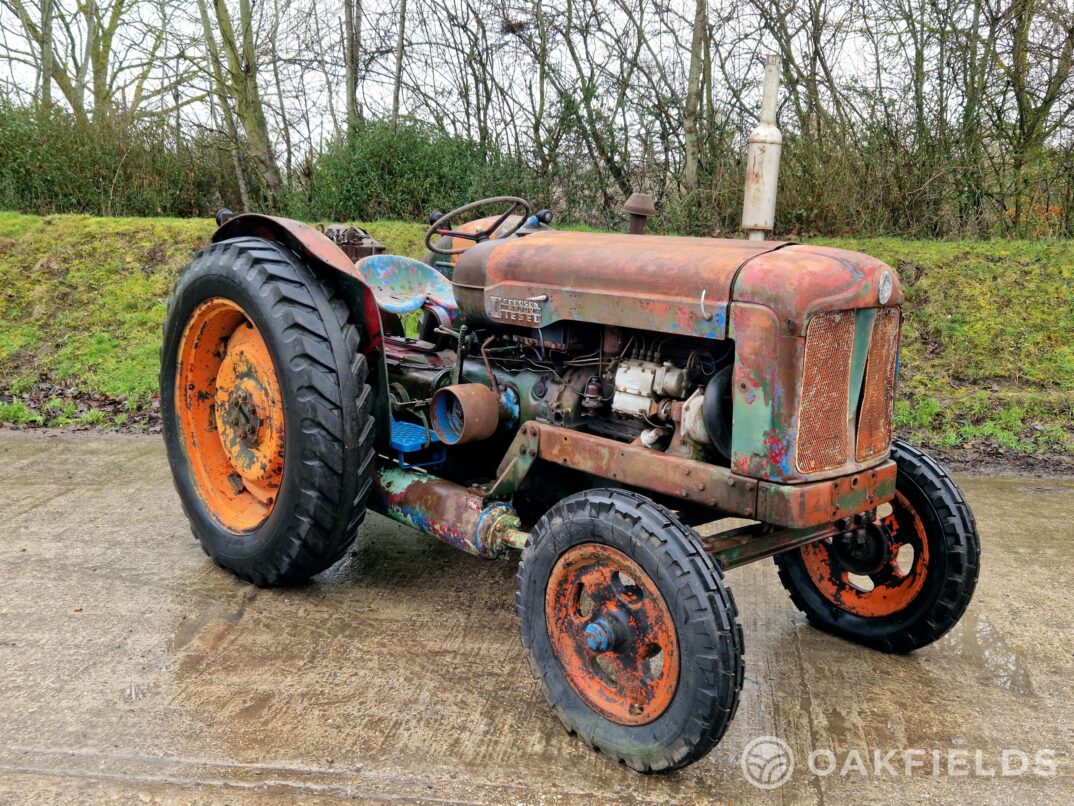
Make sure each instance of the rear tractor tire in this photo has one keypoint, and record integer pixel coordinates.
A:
(266, 412)
(903, 581)
(630, 629)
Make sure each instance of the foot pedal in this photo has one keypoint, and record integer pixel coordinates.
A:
(409, 442)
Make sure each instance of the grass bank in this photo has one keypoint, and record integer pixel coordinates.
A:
(988, 345)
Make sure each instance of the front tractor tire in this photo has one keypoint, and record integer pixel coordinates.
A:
(266, 411)
(905, 580)
(630, 629)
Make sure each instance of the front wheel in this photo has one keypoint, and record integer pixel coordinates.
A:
(630, 629)
(266, 411)
(902, 581)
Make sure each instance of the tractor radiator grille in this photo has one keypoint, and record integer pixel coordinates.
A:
(874, 422)
(823, 415)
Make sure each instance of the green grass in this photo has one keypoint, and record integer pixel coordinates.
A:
(15, 225)
(84, 298)
(18, 413)
(988, 341)
(988, 344)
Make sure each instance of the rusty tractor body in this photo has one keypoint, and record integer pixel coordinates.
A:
(587, 397)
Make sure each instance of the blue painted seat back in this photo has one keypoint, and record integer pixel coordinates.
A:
(402, 284)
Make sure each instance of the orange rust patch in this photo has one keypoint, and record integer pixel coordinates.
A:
(894, 585)
(634, 681)
(230, 414)
(822, 418)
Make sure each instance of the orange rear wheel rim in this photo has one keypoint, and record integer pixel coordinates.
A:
(896, 580)
(598, 595)
(230, 414)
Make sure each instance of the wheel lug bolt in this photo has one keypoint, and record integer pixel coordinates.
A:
(600, 636)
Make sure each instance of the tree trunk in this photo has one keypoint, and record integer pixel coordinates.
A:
(243, 88)
(352, 37)
(46, 53)
(693, 84)
(216, 70)
(397, 84)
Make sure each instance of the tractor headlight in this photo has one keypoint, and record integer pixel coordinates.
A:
(886, 285)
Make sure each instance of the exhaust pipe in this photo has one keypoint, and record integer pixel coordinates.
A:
(639, 207)
(448, 511)
(762, 161)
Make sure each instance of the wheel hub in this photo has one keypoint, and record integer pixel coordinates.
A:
(241, 416)
(249, 412)
(612, 634)
(601, 636)
(874, 571)
(230, 413)
(863, 550)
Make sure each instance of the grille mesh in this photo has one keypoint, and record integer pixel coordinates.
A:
(823, 416)
(874, 423)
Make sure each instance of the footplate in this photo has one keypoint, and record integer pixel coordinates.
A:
(416, 446)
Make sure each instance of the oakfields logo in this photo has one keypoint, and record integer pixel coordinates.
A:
(768, 763)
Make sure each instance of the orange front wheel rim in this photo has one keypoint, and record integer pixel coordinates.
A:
(230, 414)
(880, 575)
(612, 633)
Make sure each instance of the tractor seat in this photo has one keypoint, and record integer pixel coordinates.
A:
(402, 285)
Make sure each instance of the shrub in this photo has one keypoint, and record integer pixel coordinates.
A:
(54, 164)
(404, 173)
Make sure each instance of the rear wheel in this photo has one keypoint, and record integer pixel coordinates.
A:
(266, 412)
(630, 629)
(902, 581)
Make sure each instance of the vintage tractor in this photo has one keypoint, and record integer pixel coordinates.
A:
(587, 398)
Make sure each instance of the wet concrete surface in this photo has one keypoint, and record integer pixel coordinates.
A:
(133, 669)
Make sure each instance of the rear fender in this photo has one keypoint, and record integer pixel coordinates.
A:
(329, 261)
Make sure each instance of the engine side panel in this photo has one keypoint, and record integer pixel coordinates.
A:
(796, 418)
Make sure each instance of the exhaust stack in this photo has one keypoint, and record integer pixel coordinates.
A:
(762, 161)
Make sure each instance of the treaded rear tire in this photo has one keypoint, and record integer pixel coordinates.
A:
(691, 584)
(955, 555)
(328, 451)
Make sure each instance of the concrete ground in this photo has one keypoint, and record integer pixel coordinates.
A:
(132, 669)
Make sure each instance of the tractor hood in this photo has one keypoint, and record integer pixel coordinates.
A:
(801, 280)
(659, 283)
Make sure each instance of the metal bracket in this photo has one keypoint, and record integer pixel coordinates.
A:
(737, 547)
(517, 461)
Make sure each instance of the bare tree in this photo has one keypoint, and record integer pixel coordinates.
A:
(238, 73)
(693, 90)
(899, 115)
(352, 39)
(400, 41)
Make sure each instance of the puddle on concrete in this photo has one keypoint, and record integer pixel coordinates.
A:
(200, 633)
(982, 647)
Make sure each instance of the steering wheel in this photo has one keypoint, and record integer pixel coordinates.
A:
(440, 228)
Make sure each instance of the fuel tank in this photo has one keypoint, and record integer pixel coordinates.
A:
(660, 283)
